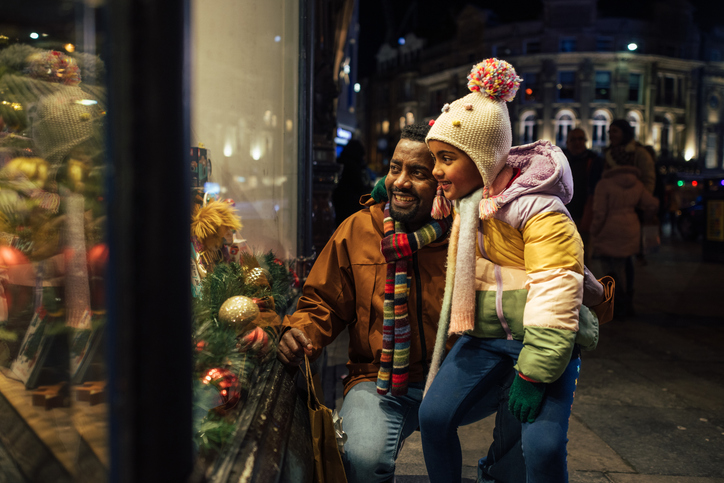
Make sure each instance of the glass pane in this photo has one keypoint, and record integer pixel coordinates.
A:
(52, 242)
(244, 98)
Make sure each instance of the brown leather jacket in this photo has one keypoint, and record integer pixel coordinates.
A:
(345, 289)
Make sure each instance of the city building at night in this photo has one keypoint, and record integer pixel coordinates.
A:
(580, 68)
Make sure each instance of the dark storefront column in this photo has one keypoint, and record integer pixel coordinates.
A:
(149, 297)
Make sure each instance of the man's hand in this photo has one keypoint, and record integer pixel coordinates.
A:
(293, 346)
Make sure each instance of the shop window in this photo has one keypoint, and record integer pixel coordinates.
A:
(634, 87)
(566, 85)
(53, 243)
(246, 128)
(603, 86)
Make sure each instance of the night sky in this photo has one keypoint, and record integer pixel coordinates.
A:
(434, 20)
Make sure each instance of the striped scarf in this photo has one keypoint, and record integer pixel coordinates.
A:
(397, 247)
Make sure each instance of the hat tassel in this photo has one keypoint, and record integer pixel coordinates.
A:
(488, 207)
(441, 206)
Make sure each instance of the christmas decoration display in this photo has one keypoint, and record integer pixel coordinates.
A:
(213, 225)
(228, 385)
(238, 311)
(236, 324)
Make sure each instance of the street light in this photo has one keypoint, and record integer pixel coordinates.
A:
(632, 46)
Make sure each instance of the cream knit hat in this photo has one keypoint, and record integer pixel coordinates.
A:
(479, 123)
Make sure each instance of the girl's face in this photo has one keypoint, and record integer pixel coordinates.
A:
(454, 170)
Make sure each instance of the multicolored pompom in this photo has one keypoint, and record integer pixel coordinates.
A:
(494, 78)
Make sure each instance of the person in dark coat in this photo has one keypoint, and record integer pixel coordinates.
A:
(353, 183)
(586, 168)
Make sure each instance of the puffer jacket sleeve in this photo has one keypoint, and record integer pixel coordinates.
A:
(327, 303)
(554, 265)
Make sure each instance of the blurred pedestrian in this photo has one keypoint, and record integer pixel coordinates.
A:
(586, 168)
(353, 183)
(625, 151)
(616, 229)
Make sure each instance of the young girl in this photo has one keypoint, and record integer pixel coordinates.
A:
(514, 283)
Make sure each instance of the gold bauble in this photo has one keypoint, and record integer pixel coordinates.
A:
(238, 311)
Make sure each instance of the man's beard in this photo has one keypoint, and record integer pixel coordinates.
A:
(403, 216)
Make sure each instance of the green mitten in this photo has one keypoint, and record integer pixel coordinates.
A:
(379, 192)
(525, 399)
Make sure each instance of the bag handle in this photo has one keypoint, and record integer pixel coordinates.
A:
(311, 394)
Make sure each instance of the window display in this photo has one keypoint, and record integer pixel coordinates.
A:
(244, 166)
(52, 249)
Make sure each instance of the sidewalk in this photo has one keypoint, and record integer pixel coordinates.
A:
(649, 406)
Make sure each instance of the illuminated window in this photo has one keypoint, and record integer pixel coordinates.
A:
(528, 129)
(565, 120)
(601, 120)
(410, 118)
(385, 126)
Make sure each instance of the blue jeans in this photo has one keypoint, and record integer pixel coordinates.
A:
(471, 371)
(377, 425)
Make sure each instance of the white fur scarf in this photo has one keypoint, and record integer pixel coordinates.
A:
(458, 312)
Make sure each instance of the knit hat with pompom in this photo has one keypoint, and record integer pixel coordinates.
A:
(479, 124)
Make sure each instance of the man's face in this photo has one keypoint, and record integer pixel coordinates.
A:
(410, 184)
(576, 142)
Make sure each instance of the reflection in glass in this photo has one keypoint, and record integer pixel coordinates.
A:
(52, 250)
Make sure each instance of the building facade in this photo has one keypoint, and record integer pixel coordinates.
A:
(579, 70)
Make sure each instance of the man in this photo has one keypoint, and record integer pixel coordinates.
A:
(586, 169)
(346, 290)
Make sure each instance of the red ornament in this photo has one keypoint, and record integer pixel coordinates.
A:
(10, 256)
(18, 269)
(97, 261)
(228, 385)
(255, 342)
